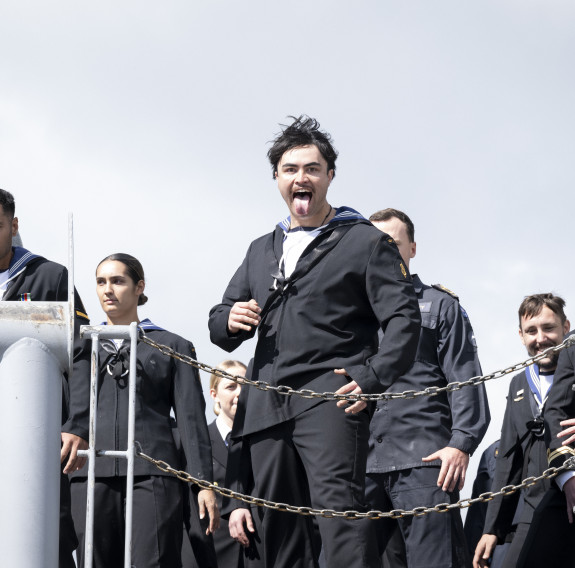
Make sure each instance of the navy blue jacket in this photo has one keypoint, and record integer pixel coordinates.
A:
(560, 406)
(46, 281)
(405, 431)
(349, 283)
(521, 454)
(162, 384)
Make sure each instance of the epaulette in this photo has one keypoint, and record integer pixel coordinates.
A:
(442, 288)
(82, 315)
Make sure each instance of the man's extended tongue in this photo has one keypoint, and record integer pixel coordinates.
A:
(301, 203)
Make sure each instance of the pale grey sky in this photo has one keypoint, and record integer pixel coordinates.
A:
(150, 121)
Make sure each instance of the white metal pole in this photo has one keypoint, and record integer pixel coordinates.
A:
(130, 454)
(71, 306)
(30, 416)
(89, 532)
(110, 332)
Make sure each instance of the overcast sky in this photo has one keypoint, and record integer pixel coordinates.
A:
(150, 122)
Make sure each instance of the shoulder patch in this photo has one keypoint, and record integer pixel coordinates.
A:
(400, 270)
(442, 288)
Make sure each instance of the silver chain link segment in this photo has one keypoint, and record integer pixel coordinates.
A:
(353, 515)
(306, 393)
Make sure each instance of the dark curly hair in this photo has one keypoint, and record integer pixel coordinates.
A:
(7, 203)
(303, 131)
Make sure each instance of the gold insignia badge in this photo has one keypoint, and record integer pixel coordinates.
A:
(442, 288)
(403, 271)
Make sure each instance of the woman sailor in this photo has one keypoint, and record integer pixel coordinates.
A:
(163, 384)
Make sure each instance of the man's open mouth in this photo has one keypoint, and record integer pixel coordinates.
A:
(301, 200)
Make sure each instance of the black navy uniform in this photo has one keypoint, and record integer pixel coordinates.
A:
(521, 454)
(475, 519)
(163, 384)
(33, 278)
(220, 549)
(402, 432)
(551, 538)
(348, 283)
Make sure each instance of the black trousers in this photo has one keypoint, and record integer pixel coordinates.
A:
(435, 540)
(68, 540)
(316, 459)
(156, 526)
(551, 538)
(395, 555)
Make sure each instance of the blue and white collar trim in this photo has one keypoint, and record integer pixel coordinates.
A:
(341, 214)
(534, 381)
(145, 324)
(19, 260)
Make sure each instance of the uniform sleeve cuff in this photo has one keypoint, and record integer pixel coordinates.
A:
(463, 443)
(562, 478)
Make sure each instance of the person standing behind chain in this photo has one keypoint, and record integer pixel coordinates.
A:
(317, 289)
(163, 384)
(551, 538)
(28, 277)
(225, 393)
(419, 448)
(522, 452)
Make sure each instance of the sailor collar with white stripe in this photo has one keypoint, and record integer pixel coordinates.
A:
(341, 214)
(146, 325)
(19, 260)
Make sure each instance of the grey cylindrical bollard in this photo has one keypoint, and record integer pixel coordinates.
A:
(30, 417)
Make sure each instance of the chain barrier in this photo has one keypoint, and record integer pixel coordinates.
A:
(306, 393)
(354, 515)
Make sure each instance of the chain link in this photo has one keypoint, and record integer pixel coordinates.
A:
(307, 393)
(353, 515)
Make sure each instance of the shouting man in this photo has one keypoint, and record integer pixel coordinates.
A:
(318, 288)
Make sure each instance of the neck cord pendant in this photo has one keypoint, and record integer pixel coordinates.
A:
(328, 214)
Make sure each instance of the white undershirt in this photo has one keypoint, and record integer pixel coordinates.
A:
(546, 383)
(223, 428)
(293, 246)
(3, 282)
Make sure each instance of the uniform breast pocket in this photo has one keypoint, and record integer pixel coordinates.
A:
(428, 321)
(427, 348)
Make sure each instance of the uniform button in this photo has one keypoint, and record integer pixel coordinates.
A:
(379, 439)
